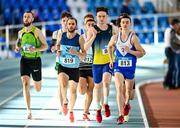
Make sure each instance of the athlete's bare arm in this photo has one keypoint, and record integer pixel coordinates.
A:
(44, 46)
(42, 38)
(57, 45)
(18, 42)
(81, 54)
(115, 29)
(111, 47)
(140, 52)
(91, 35)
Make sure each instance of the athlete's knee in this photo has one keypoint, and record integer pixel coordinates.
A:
(38, 88)
(97, 87)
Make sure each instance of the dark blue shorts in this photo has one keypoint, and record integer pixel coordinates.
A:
(98, 71)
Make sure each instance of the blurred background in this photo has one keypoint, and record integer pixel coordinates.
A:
(150, 17)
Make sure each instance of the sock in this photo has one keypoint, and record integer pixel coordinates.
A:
(105, 99)
(98, 106)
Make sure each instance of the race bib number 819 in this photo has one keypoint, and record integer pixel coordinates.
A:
(69, 60)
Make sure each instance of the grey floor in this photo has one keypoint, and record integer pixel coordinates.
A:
(44, 103)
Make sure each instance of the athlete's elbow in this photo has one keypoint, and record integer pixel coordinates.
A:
(141, 54)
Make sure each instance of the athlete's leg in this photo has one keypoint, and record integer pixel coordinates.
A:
(119, 83)
(26, 93)
(37, 85)
(82, 85)
(106, 86)
(129, 87)
(133, 92)
(89, 94)
(63, 84)
(73, 94)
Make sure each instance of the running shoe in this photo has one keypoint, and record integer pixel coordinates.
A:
(127, 108)
(29, 116)
(120, 120)
(71, 117)
(65, 109)
(85, 117)
(98, 116)
(107, 111)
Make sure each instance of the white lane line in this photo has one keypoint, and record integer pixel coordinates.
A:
(7, 78)
(143, 113)
(11, 97)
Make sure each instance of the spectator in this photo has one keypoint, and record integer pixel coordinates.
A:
(172, 52)
(125, 8)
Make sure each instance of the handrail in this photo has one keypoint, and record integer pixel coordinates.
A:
(113, 17)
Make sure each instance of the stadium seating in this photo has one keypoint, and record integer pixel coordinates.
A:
(49, 10)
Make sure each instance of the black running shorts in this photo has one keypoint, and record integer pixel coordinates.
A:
(85, 73)
(73, 73)
(31, 66)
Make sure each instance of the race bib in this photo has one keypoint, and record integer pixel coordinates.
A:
(125, 62)
(88, 59)
(26, 47)
(68, 60)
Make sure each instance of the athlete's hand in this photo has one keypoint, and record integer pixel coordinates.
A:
(31, 49)
(17, 49)
(111, 65)
(73, 51)
(58, 52)
(53, 49)
(127, 49)
(93, 31)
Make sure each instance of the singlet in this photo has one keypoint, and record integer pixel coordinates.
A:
(28, 40)
(66, 59)
(86, 64)
(100, 45)
(123, 59)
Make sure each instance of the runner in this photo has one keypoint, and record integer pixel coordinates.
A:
(68, 46)
(64, 18)
(101, 34)
(128, 49)
(31, 42)
(86, 83)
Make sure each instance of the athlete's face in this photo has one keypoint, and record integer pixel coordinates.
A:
(125, 23)
(101, 17)
(63, 22)
(27, 19)
(89, 24)
(71, 25)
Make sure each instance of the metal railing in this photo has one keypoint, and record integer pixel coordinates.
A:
(10, 39)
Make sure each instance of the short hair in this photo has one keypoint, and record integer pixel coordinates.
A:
(104, 9)
(175, 21)
(28, 11)
(89, 16)
(122, 16)
(72, 18)
(89, 20)
(65, 14)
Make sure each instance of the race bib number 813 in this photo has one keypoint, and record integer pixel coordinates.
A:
(125, 62)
